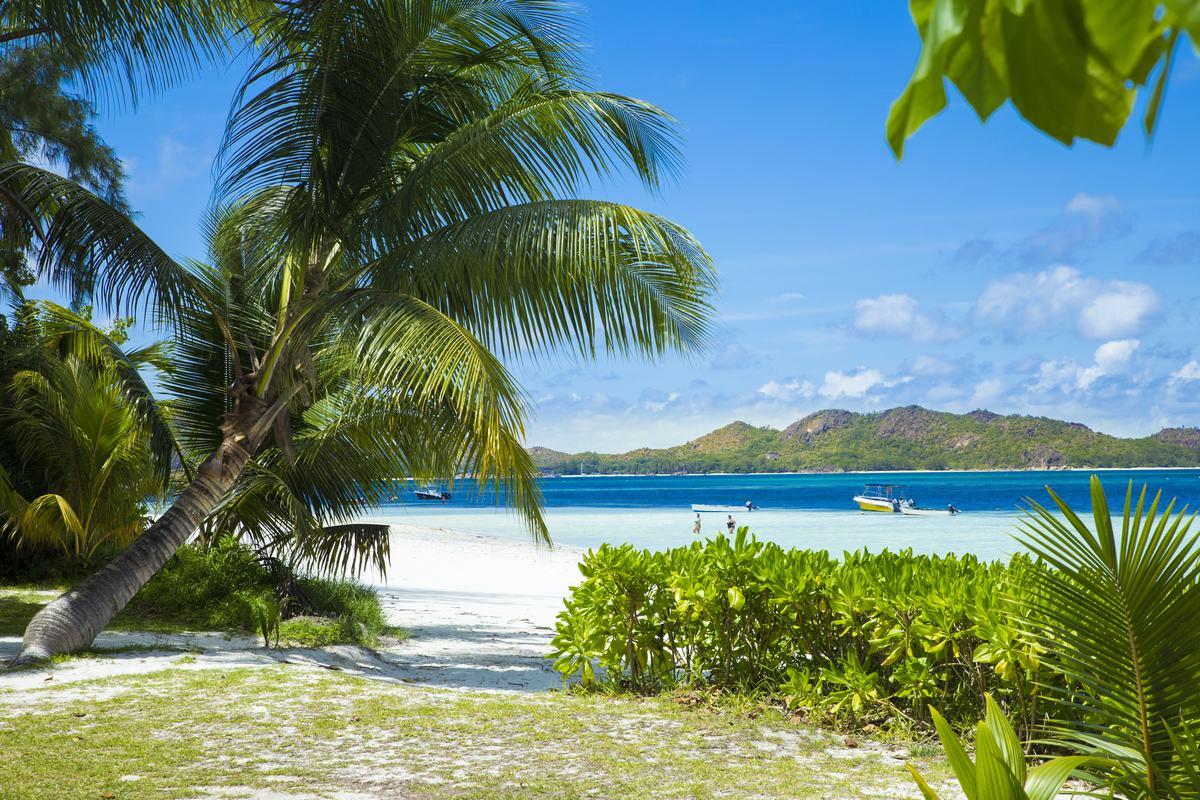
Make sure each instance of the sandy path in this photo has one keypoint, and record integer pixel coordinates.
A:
(480, 609)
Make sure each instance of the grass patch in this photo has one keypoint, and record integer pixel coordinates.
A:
(188, 733)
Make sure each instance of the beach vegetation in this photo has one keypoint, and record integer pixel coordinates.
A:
(998, 770)
(86, 448)
(1088, 642)
(1116, 612)
(225, 586)
(867, 639)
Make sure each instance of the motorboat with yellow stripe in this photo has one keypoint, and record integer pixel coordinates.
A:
(882, 497)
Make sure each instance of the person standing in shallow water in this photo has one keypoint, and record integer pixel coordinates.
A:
(696, 526)
(730, 524)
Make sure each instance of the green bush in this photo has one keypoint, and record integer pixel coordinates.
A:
(868, 638)
(226, 587)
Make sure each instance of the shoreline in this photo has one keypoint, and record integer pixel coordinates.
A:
(869, 472)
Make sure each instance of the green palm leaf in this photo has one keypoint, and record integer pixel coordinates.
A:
(128, 47)
(89, 248)
(70, 333)
(1117, 615)
(533, 278)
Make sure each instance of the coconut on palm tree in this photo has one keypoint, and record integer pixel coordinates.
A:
(397, 213)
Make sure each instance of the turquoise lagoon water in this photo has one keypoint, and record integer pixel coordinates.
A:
(811, 511)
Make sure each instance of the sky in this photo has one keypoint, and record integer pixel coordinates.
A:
(992, 268)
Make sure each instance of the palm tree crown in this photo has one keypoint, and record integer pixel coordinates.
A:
(396, 212)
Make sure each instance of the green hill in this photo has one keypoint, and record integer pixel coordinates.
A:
(900, 438)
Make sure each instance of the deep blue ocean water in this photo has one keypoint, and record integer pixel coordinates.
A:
(969, 491)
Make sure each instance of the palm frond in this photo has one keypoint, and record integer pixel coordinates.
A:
(90, 249)
(1117, 615)
(530, 279)
(130, 47)
(419, 360)
(71, 334)
(537, 144)
(339, 84)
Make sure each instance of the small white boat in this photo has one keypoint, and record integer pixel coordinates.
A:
(431, 493)
(913, 511)
(701, 508)
(880, 497)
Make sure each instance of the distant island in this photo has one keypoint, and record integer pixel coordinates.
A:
(907, 438)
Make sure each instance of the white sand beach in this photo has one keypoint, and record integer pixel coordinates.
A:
(480, 610)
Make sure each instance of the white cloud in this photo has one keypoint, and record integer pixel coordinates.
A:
(1119, 310)
(1111, 358)
(1095, 207)
(1025, 303)
(787, 391)
(987, 391)
(788, 297)
(1188, 372)
(900, 315)
(852, 384)
(656, 401)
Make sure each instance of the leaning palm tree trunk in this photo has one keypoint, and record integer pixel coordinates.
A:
(74, 619)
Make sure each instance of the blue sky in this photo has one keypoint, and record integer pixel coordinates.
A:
(992, 268)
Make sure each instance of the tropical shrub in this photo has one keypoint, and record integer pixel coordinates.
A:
(865, 638)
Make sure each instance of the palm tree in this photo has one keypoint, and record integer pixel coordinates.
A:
(396, 193)
(87, 434)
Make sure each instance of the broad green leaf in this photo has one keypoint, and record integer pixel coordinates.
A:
(994, 780)
(977, 64)
(1006, 739)
(1116, 28)
(925, 94)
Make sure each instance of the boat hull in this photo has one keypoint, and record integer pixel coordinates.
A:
(700, 508)
(873, 504)
(927, 512)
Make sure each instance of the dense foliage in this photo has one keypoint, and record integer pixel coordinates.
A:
(83, 447)
(861, 639)
(898, 439)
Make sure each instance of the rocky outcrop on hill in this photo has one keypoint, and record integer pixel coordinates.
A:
(816, 424)
(1043, 457)
(909, 422)
(1184, 437)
